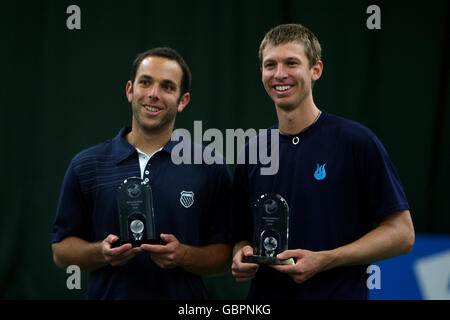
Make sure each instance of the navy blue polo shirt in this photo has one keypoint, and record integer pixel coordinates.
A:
(87, 209)
(339, 182)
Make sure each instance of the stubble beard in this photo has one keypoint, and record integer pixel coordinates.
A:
(161, 125)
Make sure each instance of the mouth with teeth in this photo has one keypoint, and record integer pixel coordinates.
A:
(282, 88)
(151, 109)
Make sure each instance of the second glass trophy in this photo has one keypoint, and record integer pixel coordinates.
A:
(270, 230)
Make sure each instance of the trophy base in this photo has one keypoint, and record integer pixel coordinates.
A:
(138, 243)
(267, 260)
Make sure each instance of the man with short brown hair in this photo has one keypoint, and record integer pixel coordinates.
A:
(195, 233)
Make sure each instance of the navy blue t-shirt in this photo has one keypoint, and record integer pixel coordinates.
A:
(87, 208)
(339, 182)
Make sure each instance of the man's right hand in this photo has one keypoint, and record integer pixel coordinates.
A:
(243, 271)
(118, 256)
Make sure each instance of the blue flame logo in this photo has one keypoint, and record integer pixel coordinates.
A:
(320, 172)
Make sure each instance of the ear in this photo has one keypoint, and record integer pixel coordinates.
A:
(129, 91)
(316, 70)
(184, 101)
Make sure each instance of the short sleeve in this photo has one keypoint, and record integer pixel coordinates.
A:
(218, 219)
(72, 215)
(383, 193)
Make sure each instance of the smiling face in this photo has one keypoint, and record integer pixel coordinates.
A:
(155, 95)
(287, 75)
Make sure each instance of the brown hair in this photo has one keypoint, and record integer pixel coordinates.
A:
(170, 54)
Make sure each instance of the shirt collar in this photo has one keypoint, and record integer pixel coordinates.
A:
(122, 149)
(169, 146)
(309, 130)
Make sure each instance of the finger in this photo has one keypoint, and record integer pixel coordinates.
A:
(130, 252)
(156, 248)
(122, 259)
(288, 254)
(248, 265)
(168, 237)
(284, 268)
(245, 268)
(128, 256)
(247, 251)
(118, 251)
(111, 238)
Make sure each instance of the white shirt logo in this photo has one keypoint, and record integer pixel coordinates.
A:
(187, 198)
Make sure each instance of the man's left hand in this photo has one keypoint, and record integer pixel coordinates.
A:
(307, 263)
(166, 256)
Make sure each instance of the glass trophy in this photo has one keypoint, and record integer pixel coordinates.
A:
(270, 230)
(136, 218)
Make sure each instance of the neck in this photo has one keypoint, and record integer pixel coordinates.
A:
(294, 121)
(148, 141)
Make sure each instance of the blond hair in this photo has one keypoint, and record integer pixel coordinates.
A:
(293, 32)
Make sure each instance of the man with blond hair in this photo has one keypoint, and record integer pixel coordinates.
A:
(347, 206)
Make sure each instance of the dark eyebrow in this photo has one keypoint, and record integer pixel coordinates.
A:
(144, 76)
(165, 81)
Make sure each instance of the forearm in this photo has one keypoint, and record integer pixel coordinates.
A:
(76, 251)
(207, 260)
(393, 237)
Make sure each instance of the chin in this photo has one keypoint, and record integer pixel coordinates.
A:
(285, 105)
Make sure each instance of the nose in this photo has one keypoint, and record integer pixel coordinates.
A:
(153, 92)
(280, 72)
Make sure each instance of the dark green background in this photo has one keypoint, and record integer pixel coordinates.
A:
(64, 90)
